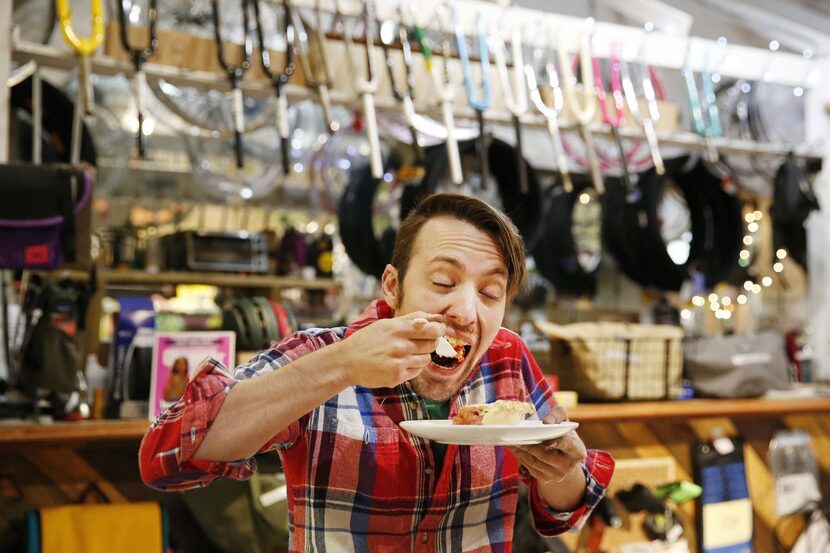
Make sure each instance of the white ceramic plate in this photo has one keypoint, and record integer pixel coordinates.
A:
(525, 433)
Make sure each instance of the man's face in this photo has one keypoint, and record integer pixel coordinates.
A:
(456, 270)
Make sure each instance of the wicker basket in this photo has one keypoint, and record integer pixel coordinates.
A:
(616, 361)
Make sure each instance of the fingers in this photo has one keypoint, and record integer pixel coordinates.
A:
(569, 445)
(557, 414)
(418, 318)
(421, 360)
(547, 455)
(417, 363)
(423, 329)
(410, 366)
(422, 325)
(419, 323)
(404, 347)
(424, 346)
(541, 468)
(552, 460)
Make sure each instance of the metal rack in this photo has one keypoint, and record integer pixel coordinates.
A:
(5, 68)
(662, 50)
(23, 52)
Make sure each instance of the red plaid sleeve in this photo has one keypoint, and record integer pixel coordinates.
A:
(598, 467)
(166, 453)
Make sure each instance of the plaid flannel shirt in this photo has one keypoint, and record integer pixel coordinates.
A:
(356, 481)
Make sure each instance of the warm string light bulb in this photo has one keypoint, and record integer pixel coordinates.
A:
(723, 306)
(752, 227)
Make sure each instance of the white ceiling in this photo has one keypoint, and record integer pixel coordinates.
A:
(796, 24)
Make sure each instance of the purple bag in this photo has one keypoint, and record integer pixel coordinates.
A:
(39, 208)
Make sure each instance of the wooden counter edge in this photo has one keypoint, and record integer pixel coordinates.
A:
(695, 408)
(85, 432)
(69, 433)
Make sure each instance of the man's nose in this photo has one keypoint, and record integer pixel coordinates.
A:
(462, 310)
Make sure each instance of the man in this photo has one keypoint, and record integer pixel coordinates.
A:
(329, 402)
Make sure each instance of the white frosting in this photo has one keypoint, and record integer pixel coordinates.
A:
(444, 348)
(506, 412)
(503, 416)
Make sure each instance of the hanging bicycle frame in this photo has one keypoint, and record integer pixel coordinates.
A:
(279, 78)
(235, 73)
(139, 56)
(479, 105)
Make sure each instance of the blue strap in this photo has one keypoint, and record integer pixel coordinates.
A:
(165, 528)
(33, 532)
(715, 128)
(463, 54)
(705, 124)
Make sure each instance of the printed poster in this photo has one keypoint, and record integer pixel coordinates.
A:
(177, 355)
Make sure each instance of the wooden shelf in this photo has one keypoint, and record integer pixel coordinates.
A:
(696, 408)
(115, 276)
(72, 433)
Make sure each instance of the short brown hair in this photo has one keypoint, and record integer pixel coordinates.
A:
(471, 210)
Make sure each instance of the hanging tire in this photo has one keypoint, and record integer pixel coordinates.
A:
(355, 211)
(634, 228)
(557, 251)
(524, 209)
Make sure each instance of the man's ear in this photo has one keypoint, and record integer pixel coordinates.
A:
(390, 286)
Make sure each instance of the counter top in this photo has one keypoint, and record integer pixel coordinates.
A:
(696, 408)
(71, 433)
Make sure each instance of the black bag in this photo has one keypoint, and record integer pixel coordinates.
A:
(44, 216)
(793, 200)
(55, 313)
(793, 196)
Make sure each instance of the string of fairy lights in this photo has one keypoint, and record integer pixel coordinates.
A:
(724, 305)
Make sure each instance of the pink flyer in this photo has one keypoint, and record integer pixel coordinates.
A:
(177, 355)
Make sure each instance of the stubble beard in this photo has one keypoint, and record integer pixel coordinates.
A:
(440, 390)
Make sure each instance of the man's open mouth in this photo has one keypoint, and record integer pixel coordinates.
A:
(451, 352)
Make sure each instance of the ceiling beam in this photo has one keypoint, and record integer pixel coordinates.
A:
(665, 18)
(779, 20)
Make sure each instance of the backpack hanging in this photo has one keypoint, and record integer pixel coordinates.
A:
(44, 216)
(55, 313)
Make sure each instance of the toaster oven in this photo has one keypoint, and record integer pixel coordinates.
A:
(239, 251)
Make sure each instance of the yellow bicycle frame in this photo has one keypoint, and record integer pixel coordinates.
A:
(87, 45)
